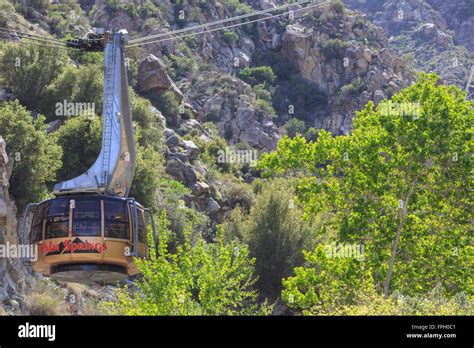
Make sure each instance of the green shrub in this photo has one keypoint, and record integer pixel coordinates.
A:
(280, 66)
(337, 6)
(264, 107)
(180, 217)
(36, 156)
(293, 127)
(311, 134)
(199, 279)
(258, 75)
(325, 283)
(305, 96)
(353, 88)
(149, 130)
(168, 104)
(28, 70)
(275, 233)
(210, 151)
(180, 66)
(230, 37)
(344, 286)
(334, 49)
(263, 91)
(45, 299)
(147, 175)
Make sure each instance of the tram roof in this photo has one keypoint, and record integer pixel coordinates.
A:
(90, 197)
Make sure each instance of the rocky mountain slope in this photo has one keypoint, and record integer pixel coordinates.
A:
(435, 35)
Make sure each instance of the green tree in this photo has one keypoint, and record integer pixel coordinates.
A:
(180, 217)
(398, 185)
(80, 140)
(148, 171)
(325, 283)
(275, 233)
(199, 279)
(28, 70)
(293, 127)
(82, 85)
(150, 128)
(258, 75)
(230, 37)
(36, 156)
(344, 286)
(168, 104)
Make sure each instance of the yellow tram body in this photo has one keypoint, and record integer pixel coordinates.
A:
(88, 238)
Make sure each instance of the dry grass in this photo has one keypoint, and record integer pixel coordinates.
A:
(45, 300)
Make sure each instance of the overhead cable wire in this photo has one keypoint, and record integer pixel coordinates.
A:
(221, 21)
(39, 43)
(20, 33)
(36, 43)
(45, 43)
(226, 27)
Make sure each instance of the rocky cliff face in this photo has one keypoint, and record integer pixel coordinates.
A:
(459, 17)
(344, 56)
(435, 35)
(347, 58)
(15, 278)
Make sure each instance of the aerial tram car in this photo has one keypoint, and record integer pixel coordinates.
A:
(91, 230)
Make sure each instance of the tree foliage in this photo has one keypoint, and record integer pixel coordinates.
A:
(258, 75)
(398, 185)
(80, 140)
(150, 128)
(326, 283)
(338, 286)
(293, 127)
(35, 156)
(200, 278)
(75, 85)
(28, 70)
(275, 233)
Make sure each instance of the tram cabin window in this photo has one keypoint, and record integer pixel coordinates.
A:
(86, 218)
(57, 216)
(142, 232)
(37, 230)
(116, 219)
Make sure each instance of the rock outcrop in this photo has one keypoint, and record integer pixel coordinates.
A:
(435, 35)
(15, 278)
(348, 59)
(152, 76)
(229, 102)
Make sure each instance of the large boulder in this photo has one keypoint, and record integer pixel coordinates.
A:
(181, 171)
(192, 151)
(152, 76)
